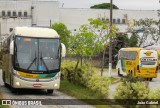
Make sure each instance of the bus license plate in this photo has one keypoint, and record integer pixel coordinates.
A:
(37, 85)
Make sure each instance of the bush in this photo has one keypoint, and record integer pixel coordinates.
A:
(154, 94)
(86, 76)
(67, 69)
(83, 75)
(130, 90)
(100, 85)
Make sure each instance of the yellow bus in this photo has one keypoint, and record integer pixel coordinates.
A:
(138, 62)
(32, 59)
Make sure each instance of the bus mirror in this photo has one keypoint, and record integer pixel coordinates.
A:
(63, 52)
(11, 48)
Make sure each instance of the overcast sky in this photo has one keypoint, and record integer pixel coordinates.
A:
(122, 4)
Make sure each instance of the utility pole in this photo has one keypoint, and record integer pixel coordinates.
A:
(50, 22)
(110, 41)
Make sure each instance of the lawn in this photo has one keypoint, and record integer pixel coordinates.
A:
(81, 92)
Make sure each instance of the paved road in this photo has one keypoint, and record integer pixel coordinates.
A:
(38, 94)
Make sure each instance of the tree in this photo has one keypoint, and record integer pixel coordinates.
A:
(63, 32)
(103, 6)
(121, 41)
(133, 41)
(90, 39)
(146, 31)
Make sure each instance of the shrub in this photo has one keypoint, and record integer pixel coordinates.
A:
(154, 94)
(128, 90)
(100, 85)
(67, 69)
(86, 76)
(83, 74)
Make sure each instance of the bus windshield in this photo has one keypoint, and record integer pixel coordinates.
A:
(127, 55)
(37, 55)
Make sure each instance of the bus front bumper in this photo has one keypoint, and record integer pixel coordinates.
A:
(21, 83)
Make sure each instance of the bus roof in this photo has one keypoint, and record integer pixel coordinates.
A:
(36, 32)
(131, 49)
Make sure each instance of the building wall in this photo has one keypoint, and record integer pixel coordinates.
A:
(39, 13)
(46, 12)
(73, 18)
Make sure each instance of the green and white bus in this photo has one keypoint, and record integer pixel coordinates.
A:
(32, 59)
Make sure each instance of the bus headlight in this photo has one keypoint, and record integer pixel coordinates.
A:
(55, 85)
(17, 83)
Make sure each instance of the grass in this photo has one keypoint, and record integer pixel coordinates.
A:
(77, 91)
(104, 70)
(98, 71)
(80, 92)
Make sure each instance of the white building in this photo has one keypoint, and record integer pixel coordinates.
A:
(27, 13)
(44, 13)
(73, 18)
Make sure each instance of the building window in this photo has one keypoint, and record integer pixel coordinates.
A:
(3, 13)
(9, 13)
(14, 13)
(19, 14)
(118, 21)
(123, 21)
(103, 19)
(114, 21)
(25, 14)
(107, 19)
(10, 29)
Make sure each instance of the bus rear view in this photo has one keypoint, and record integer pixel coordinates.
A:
(138, 62)
(148, 64)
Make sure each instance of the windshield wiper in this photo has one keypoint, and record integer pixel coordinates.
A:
(32, 62)
(43, 62)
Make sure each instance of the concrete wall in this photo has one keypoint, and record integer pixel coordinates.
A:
(73, 18)
(39, 13)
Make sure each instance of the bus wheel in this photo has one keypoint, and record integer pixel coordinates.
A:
(119, 73)
(3, 76)
(150, 79)
(14, 90)
(5, 84)
(49, 91)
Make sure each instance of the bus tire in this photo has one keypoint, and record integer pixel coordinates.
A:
(3, 76)
(119, 73)
(5, 84)
(14, 90)
(49, 91)
(150, 79)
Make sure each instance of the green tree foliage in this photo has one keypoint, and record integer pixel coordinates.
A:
(103, 6)
(119, 42)
(147, 32)
(133, 41)
(88, 41)
(63, 32)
